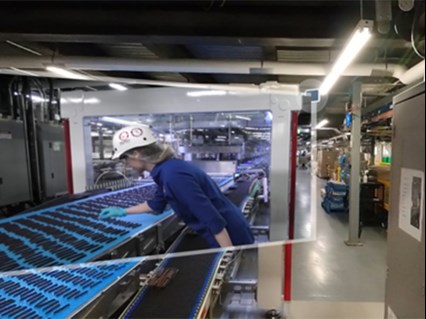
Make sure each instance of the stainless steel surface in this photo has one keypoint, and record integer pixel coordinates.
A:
(52, 159)
(355, 166)
(217, 167)
(14, 175)
(280, 176)
(270, 276)
(406, 255)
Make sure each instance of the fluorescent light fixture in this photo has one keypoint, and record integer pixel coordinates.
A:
(243, 117)
(322, 124)
(358, 40)
(91, 100)
(37, 99)
(94, 134)
(20, 46)
(118, 121)
(269, 117)
(66, 73)
(206, 93)
(22, 71)
(118, 87)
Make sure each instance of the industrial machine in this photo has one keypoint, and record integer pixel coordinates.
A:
(161, 101)
(15, 184)
(72, 234)
(32, 161)
(171, 287)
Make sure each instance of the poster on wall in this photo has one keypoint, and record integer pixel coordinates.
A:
(411, 202)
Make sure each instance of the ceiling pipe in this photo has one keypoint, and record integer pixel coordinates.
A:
(199, 66)
(414, 74)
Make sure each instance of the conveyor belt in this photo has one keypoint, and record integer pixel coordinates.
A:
(240, 192)
(221, 180)
(72, 233)
(184, 295)
(58, 292)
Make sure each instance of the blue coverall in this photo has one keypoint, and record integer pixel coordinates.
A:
(198, 201)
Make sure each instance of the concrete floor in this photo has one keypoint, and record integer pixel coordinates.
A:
(330, 279)
(328, 270)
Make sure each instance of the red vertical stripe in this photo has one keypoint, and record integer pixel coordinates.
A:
(292, 207)
(68, 159)
(293, 157)
(287, 271)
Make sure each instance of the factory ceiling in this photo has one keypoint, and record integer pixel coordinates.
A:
(215, 42)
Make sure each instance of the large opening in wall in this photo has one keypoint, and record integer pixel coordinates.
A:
(221, 143)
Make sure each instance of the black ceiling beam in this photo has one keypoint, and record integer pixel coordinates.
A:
(179, 52)
(118, 18)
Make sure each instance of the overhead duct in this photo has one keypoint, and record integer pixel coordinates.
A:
(414, 74)
(198, 66)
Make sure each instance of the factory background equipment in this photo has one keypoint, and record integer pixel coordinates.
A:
(32, 169)
(405, 284)
(14, 179)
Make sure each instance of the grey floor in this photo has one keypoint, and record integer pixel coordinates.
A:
(329, 279)
(325, 269)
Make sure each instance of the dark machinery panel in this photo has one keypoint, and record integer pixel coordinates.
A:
(405, 285)
(56, 293)
(52, 159)
(73, 233)
(14, 175)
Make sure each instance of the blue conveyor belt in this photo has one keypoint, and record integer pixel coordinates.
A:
(72, 233)
(58, 292)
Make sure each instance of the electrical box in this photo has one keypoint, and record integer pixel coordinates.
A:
(52, 159)
(14, 171)
(405, 284)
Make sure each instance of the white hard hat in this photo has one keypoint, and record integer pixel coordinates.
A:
(131, 137)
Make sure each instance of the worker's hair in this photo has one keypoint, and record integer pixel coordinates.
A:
(156, 153)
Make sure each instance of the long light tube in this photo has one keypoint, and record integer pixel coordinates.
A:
(243, 117)
(66, 73)
(118, 87)
(118, 121)
(322, 124)
(206, 93)
(358, 40)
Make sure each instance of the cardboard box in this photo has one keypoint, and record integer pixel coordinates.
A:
(327, 163)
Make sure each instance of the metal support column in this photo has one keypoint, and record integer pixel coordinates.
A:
(355, 166)
(373, 148)
(101, 143)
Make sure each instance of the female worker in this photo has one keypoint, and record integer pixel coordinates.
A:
(191, 193)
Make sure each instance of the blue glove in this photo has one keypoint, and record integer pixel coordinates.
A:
(112, 212)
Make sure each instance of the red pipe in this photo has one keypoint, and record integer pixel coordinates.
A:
(68, 159)
(292, 207)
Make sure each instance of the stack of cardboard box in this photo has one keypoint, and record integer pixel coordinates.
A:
(327, 163)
